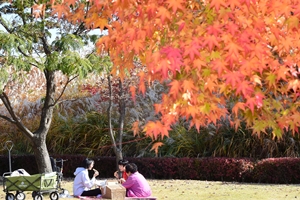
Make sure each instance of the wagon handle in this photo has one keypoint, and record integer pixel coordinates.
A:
(9, 145)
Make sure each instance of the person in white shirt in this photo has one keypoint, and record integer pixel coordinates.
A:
(83, 184)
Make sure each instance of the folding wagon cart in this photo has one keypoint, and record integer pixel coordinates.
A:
(37, 183)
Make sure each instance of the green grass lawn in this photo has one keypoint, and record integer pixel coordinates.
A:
(194, 190)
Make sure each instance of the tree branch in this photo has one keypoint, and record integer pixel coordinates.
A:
(8, 106)
(15, 120)
(45, 45)
(88, 55)
(34, 65)
(2, 22)
(64, 88)
(22, 52)
(79, 29)
(8, 119)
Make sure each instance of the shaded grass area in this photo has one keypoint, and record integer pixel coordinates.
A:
(193, 189)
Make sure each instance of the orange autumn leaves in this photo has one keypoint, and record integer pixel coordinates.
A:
(212, 53)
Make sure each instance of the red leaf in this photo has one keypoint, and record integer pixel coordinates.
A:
(154, 129)
(211, 41)
(135, 128)
(193, 49)
(164, 14)
(174, 57)
(38, 10)
(238, 106)
(138, 46)
(233, 49)
(219, 65)
(232, 28)
(175, 4)
(244, 88)
(60, 10)
(214, 29)
(251, 103)
(175, 88)
(132, 91)
(155, 147)
(142, 87)
(217, 4)
(233, 78)
(188, 85)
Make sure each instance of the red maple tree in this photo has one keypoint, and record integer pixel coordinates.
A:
(213, 52)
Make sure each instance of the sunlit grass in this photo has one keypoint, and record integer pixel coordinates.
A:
(193, 190)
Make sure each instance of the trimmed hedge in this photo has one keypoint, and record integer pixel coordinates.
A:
(277, 170)
(271, 170)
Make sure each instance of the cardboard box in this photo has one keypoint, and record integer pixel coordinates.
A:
(113, 192)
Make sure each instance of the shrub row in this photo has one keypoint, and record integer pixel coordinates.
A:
(271, 170)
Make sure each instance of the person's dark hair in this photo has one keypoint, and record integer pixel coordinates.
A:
(131, 167)
(87, 163)
(123, 162)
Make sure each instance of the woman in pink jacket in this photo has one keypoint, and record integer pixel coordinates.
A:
(136, 185)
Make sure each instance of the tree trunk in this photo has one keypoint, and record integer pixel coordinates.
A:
(41, 154)
(111, 132)
(39, 139)
(121, 118)
(116, 148)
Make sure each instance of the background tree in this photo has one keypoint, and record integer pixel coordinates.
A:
(33, 41)
(245, 53)
(115, 98)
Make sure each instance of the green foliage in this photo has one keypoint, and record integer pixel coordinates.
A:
(86, 135)
(184, 143)
(70, 63)
(4, 76)
(22, 145)
(137, 146)
(28, 41)
(225, 141)
(68, 42)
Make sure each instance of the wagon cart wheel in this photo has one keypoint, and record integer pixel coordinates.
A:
(9, 196)
(54, 196)
(38, 197)
(34, 193)
(20, 196)
(65, 192)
